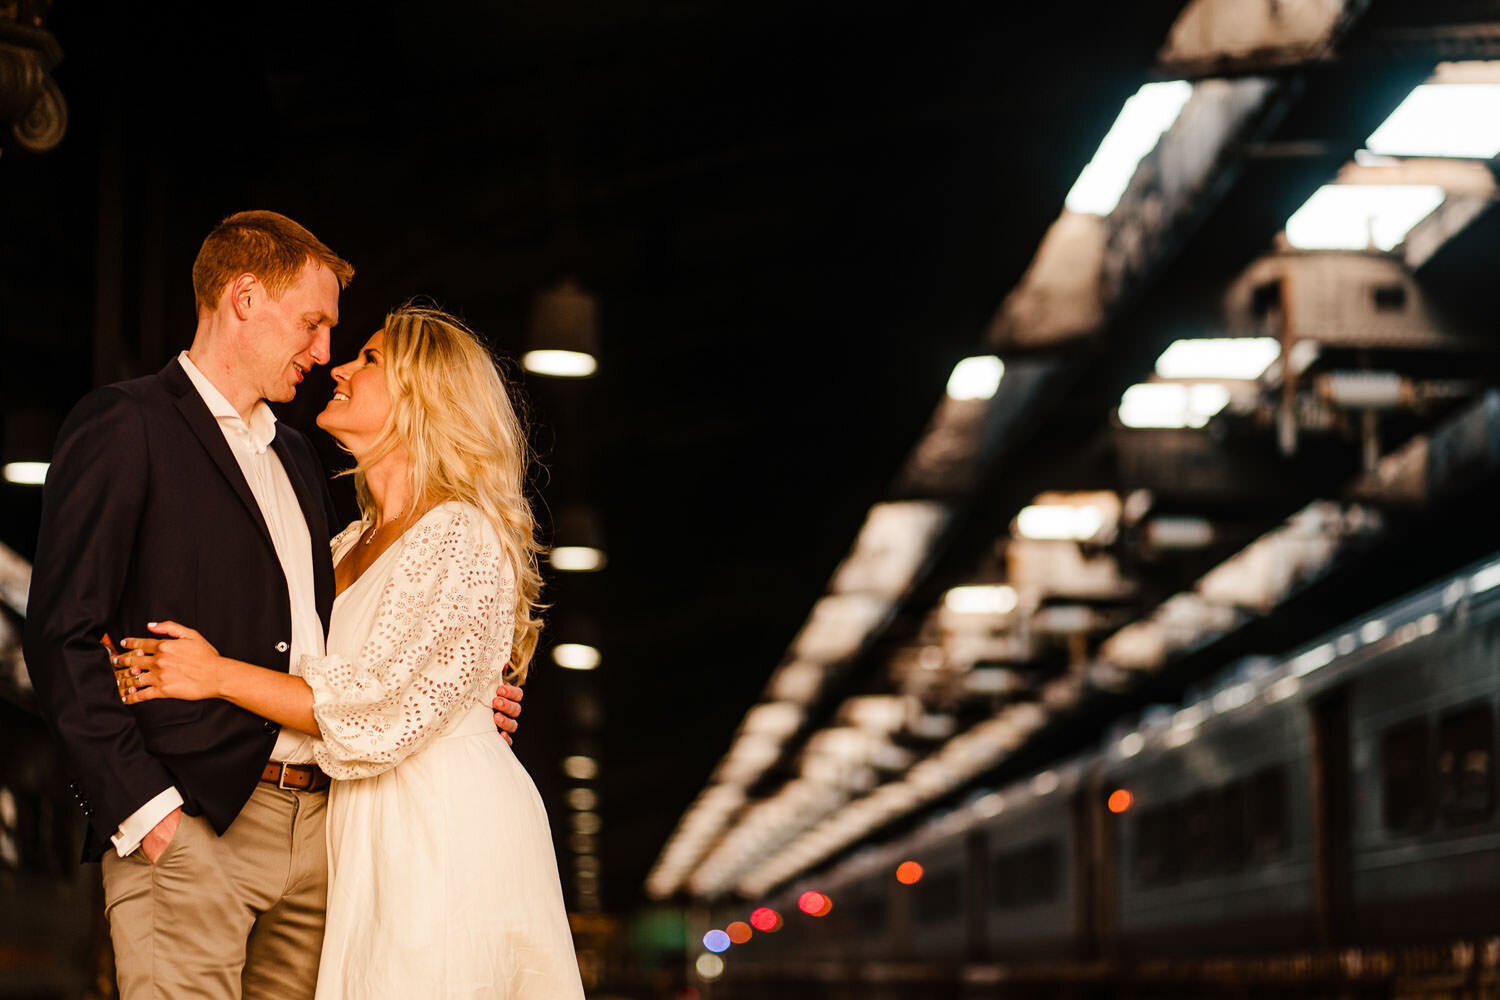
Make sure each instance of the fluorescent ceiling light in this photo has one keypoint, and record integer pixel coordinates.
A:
(1059, 522)
(583, 799)
(580, 767)
(1218, 357)
(575, 656)
(1135, 133)
(1443, 119)
(976, 378)
(560, 364)
(577, 558)
(981, 600)
(1170, 404)
(26, 473)
(1360, 216)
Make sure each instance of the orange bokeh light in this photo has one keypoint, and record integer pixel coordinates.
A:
(908, 873)
(739, 932)
(765, 919)
(1120, 800)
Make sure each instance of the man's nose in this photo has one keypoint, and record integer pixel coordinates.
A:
(321, 351)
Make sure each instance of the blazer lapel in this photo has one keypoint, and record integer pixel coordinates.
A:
(206, 428)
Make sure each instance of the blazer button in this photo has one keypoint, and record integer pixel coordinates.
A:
(282, 647)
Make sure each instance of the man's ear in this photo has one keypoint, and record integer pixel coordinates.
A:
(245, 294)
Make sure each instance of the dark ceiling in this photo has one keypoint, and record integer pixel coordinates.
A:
(795, 218)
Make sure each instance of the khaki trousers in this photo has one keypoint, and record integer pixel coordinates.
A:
(237, 916)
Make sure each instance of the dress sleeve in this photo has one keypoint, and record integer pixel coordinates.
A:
(441, 633)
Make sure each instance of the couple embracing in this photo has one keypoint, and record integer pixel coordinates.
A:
(259, 662)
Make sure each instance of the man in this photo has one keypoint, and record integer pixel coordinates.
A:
(178, 496)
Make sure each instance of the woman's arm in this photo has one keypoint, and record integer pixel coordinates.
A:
(187, 666)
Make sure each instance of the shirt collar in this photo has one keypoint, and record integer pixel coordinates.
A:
(261, 429)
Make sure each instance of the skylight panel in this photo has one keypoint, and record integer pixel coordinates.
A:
(1443, 119)
(1142, 121)
(976, 378)
(1171, 404)
(1360, 216)
(1218, 357)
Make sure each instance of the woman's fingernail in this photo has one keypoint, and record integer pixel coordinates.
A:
(135, 671)
(151, 624)
(114, 660)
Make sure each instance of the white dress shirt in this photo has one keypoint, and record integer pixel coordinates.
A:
(250, 442)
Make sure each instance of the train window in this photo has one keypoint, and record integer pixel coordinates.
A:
(1028, 876)
(1233, 833)
(1158, 845)
(1202, 819)
(939, 897)
(1266, 829)
(1039, 873)
(1465, 757)
(1405, 753)
(869, 912)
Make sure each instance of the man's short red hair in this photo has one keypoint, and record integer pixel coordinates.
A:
(265, 244)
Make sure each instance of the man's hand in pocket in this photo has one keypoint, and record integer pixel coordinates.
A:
(155, 843)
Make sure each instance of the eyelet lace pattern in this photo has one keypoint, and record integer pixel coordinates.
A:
(439, 641)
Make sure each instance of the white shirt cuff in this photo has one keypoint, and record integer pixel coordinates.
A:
(139, 823)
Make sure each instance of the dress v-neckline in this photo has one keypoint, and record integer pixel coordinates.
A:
(397, 543)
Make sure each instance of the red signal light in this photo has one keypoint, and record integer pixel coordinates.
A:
(1119, 800)
(765, 919)
(908, 873)
(814, 903)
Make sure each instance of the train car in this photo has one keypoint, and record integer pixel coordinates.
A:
(1411, 692)
(1214, 839)
(1341, 795)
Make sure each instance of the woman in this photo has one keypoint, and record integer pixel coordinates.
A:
(438, 886)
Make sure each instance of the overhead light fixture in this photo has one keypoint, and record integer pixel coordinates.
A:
(1059, 522)
(1442, 119)
(560, 364)
(575, 656)
(986, 599)
(1361, 216)
(1171, 404)
(892, 544)
(773, 719)
(1219, 357)
(576, 558)
(580, 767)
(976, 378)
(583, 799)
(1142, 122)
(838, 626)
(563, 339)
(26, 473)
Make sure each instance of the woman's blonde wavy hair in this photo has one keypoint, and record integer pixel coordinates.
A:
(464, 440)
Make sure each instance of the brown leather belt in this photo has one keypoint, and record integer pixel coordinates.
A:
(299, 777)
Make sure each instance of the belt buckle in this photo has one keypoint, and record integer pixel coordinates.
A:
(281, 779)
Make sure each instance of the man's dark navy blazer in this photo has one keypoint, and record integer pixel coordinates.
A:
(146, 516)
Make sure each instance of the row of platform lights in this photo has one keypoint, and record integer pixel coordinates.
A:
(1455, 115)
(767, 921)
(563, 338)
